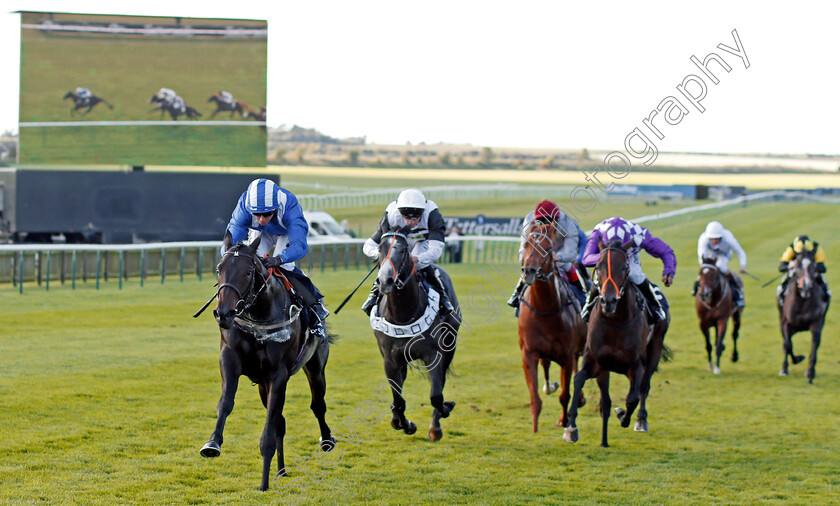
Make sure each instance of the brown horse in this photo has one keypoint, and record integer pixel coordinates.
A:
(714, 306)
(223, 105)
(620, 340)
(802, 306)
(550, 327)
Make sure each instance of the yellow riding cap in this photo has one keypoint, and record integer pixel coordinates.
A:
(801, 244)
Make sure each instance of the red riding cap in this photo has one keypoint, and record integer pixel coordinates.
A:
(546, 209)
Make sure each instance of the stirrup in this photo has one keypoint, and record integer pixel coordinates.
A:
(513, 301)
(367, 305)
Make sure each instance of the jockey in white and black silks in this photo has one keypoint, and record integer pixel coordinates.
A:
(83, 93)
(226, 97)
(719, 244)
(275, 213)
(568, 243)
(425, 240)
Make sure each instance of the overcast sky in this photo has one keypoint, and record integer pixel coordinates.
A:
(540, 74)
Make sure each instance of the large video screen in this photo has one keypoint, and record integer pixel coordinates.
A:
(132, 90)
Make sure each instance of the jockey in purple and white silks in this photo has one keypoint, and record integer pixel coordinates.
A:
(426, 239)
(275, 213)
(717, 244)
(639, 238)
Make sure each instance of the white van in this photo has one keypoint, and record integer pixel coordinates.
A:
(323, 228)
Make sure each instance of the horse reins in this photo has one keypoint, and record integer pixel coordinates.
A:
(619, 290)
(725, 289)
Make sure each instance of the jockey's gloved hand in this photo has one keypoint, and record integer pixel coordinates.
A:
(270, 262)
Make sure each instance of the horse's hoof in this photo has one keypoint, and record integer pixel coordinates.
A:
(734, 357)
(327, 445)
(620, 413)
(550, 388)
(448, 406)
(641, 426)
(211, 449)
(435, 433)
(395, 424)
(798, 358)
(710, 366)
(570, 435)
(784, 373)
(411, 428)
(716, 370)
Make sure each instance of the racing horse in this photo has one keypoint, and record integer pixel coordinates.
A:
(175, 108)
(82, 102)
(620, 340)
(255, 115)
(802, 307)
(405, 305)
(550, 326)
(263, 338)
(224, 106)
(715, 305)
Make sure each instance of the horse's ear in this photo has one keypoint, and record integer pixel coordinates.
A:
(228, 240)
(405, 230)
(255, 242)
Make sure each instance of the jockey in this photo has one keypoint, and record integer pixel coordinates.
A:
(803, 243)
(178, 104)
(426, 240)
(719, 243)
(274, 212)
(639, 239)
(166, 95)
(83, 93)
(226, 97)
(566, 245)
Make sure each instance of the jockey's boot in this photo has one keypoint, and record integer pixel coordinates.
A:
(591, 300)
(372, 299)
(317, 324)
(737, 290)
(824, 285)
(695, 288)
(513, 301)
(655, 309)
(433, 277)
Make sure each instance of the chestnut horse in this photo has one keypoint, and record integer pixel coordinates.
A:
(802, 306)
(550, 326)
(715, 305)
(620, 340)
(262, 337)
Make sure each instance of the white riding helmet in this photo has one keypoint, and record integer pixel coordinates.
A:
(262, 196)
(411, 202)
(714, 230)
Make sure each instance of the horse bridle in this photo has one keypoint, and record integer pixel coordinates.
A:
(542, 276)
(618, 289)
(398, 283)
(805, 274)
(725, 288)
(250, 297)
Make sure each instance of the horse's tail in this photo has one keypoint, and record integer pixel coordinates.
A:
(667, 353)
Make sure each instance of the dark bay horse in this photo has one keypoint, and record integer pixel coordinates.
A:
(550, 326)
(802, 307)
(175, 108)
(620, 340)
(225, 106)
(405, 301)
(82, 102)
(715, 305)
(263, 338)
(256, 115)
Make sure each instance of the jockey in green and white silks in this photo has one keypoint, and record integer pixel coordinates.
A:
(720, 244)
(425, 239)
(275, 213)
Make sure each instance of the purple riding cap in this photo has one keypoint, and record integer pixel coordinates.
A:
(627, 232)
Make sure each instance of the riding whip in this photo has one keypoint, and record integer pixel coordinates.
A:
(375, 265)
(774, 279)
(752, 276)
(206, 303)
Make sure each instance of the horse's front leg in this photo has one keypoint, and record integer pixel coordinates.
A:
(606, 403)
(816, 336)
(437, 377)
(231, 368)
(736, 328)
(705, 330)
(271, 441)
(315, 373)
(635, 375)
(570, 435)
(396, 377)
(565, 382)
(529, 365)
(787, 335)
(720, 334)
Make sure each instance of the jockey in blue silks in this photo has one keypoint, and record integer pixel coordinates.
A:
(275, 212)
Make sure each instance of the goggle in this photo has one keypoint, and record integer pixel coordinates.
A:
(411, 214)
(264, 214)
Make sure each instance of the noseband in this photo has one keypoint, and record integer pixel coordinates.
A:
(398, 283)
(725, 287)
(249, 299)
(541, 274)
(619, 289)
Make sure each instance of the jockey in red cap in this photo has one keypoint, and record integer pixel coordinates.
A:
(566, 246)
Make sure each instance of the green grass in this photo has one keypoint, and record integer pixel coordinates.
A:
(108, 395)
(230, 146)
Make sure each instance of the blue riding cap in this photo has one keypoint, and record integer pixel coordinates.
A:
(262, 196)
